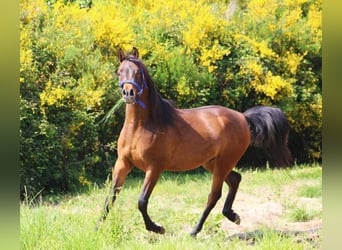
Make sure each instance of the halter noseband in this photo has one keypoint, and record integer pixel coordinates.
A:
(135, 84)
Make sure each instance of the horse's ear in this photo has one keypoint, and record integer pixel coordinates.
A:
(135, 52)
(121, 55)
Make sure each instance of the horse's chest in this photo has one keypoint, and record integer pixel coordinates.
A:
(139, 148)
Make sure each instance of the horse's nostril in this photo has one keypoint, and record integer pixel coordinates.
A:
(131, 92)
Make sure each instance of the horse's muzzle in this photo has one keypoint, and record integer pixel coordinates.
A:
(129, 95)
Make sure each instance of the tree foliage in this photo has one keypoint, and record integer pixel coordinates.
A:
(267, 53)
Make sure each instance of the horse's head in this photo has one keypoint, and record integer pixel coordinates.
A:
(131, 77)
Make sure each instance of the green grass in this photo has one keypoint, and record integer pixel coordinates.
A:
(302, 214)
(311, 191)
(177, 203)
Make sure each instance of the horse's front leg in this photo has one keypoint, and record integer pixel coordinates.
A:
(150, 181)
(119, 174)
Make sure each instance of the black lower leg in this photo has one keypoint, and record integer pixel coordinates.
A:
(149, 224)
(200, 223)
(212, 200)
(233, 181)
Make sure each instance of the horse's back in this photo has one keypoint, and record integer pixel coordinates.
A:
(230, 125)
(216, 119)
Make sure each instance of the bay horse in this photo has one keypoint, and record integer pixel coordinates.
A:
(156, 136)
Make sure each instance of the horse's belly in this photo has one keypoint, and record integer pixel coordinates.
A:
(190, 159)
(171, 160)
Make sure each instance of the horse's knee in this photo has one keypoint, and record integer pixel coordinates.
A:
(237, 176)
(234, 178)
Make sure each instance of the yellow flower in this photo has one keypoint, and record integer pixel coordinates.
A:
(293, 60)
(255, 68)
(272, 85)
(183, 88)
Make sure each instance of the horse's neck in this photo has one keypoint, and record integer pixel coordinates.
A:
(136, 115)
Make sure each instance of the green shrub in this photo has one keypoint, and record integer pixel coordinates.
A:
(269, 52)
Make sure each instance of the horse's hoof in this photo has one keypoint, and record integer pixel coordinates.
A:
(237, 220)
(195, 231)
(233, 217)
(156, 229)
(193, 234)
(161, 230)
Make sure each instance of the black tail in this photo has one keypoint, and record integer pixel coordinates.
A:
(269, 131)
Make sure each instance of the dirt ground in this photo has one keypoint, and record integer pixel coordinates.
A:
(270, 210)
(256, 212)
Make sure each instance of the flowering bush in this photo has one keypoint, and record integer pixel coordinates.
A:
(268, 52)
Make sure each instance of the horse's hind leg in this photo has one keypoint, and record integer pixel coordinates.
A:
(214, 196)
(233, 181)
